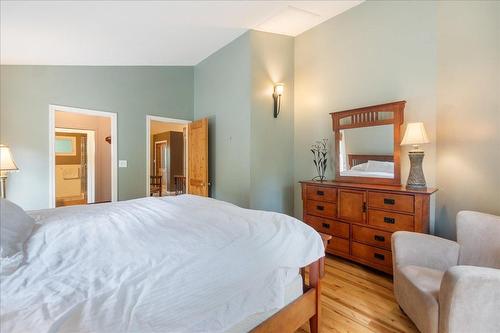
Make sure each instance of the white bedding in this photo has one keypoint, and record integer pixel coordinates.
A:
(356, 173)
(176, 264)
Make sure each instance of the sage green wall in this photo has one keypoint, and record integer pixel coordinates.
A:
(376, 52)
(444, 59)
(131, 92)
(222, 93)
(468, 122)
(250, 151)
(271, 148)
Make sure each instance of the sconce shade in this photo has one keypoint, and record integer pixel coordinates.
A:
(278, 89)
(6, 161)
(278, 92)
(415, 135)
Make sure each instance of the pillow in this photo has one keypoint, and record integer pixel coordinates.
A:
(360, 167)
(15, 228)
(379, 166)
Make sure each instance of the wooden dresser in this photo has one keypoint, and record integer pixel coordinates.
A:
(361, 217)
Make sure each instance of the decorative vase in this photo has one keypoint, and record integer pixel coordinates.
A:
(320, 151)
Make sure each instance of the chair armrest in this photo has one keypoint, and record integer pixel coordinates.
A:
(469, 300)
(412, 248)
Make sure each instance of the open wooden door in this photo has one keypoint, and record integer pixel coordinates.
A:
(197, 181)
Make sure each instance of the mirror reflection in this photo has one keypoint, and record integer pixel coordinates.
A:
(367, 152)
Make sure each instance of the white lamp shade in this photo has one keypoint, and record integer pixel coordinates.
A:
(415, 135)
(6, 161)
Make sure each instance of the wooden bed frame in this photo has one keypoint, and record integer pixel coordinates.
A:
(356, 159)
(305, 308)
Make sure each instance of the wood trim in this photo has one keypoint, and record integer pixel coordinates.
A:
(304, 308)
(365, 117)
(292, 316)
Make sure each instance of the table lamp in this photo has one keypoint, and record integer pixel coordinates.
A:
(415, 135)
(7, 165)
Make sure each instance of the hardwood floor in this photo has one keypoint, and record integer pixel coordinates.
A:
(358, 299)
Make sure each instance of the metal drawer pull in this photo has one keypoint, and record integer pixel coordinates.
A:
(320, 208)
(378, 256)
(379, 238)
(320, 193)
(326, 225)
(389, 220)
(389, 201)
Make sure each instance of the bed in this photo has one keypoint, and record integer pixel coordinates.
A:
(379, 166)
(170, 264)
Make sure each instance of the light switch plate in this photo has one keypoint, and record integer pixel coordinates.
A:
(122, 163)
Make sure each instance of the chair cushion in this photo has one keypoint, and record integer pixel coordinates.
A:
(417, 291)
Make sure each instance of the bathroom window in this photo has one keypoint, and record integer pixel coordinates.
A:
(65, 146)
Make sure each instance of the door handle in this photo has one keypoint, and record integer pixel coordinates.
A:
(320, 193)
(320, 207)
(378, 256)
(325, 225)
(379, 238)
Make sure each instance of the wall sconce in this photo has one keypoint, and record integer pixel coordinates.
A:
(278, 92)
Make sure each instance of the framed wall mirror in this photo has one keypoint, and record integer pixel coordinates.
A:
(367, 148)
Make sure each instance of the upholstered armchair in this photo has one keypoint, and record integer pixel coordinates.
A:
(446, 286)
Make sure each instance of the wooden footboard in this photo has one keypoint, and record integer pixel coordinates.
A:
(304, 308)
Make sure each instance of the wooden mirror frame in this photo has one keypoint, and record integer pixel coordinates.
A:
(366, 117)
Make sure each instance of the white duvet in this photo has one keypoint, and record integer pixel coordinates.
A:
(178, 264)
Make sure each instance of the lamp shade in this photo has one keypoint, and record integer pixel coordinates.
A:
(6, 161)
(415, 135)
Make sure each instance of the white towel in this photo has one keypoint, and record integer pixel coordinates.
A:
(71, 172)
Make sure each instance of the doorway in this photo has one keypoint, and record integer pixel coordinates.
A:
(167, 151)
(82, 154)
(74, 166)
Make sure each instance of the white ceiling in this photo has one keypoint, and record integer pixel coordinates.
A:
(144, 32)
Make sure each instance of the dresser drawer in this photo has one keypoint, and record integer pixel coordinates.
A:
(390, 221)
(397, 202)
(330, 227)
(320, 193)
(338, 245)
(319, 208)
(371, 254)
(371, 237)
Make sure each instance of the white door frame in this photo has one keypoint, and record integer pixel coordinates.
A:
(150, 118)
(90, 159)
(52, 159)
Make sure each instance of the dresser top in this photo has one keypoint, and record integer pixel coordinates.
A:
(392, 188)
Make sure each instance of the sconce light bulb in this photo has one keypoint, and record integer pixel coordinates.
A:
(278, 89)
